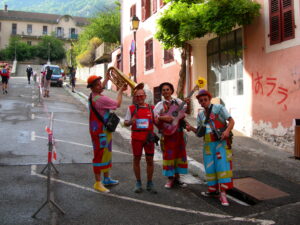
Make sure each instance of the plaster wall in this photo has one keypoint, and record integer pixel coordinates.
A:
(161, 72)
(37, 29)
(274, 72)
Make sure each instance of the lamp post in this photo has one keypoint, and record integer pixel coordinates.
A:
(48, 53)
(135, 26)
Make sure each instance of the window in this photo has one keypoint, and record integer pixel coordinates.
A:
(119, 60)
(14, 28)
(29, 28)
(146, 11)
(168, 55)
(73, 33)
(149, 54)
(282, 24)
(59, 32)
(225, 63)
(45, 30)
(132, 11)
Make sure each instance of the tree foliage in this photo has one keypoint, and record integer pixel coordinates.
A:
(22, 50)
(105, 26)
(186, 20)
(52, 44)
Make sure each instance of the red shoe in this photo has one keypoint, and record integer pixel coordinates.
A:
(169, 184)
(223, 199)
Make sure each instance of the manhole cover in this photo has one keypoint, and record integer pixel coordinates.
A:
(257, 189)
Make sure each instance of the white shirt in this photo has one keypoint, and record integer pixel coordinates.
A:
(159, 107)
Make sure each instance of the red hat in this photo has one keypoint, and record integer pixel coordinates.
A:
(92, 79)
(203, 92)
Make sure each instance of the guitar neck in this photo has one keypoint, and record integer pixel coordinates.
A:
(189, 95)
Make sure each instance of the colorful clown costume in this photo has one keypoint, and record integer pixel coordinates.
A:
(217, 154)
(173, 146)
(101, 138)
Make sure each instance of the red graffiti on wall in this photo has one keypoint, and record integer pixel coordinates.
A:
(271, 83)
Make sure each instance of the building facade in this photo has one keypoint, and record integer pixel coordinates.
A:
(31, 26)
(254, 70)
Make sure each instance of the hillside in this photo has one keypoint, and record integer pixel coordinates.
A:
(84, 8)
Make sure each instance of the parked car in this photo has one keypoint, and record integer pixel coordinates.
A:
(56, 77)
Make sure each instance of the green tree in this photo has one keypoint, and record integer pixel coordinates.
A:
(53, 45)
(22, 50)
(186, 20)
(105, 26)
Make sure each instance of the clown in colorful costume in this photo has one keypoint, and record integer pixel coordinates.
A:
(173, 146)
(217, 153)
(101, 138)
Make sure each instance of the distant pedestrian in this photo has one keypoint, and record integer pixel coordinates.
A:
(73, 78)
(47, 81)
(5, 72)
(29, 73)
(101, 137)
(217, 153)
(141, 119)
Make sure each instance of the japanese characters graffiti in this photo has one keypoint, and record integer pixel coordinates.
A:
(269, 86)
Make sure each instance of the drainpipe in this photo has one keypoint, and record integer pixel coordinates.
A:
(188, 64)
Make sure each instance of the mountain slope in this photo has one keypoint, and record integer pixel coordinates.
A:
(84, 8)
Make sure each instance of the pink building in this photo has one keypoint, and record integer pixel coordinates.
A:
(254, 70)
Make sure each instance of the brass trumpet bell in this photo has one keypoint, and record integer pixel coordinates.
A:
(120, 79)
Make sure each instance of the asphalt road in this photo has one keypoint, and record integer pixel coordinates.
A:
(23, 189)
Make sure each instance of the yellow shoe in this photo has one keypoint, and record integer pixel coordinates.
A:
(99, 187)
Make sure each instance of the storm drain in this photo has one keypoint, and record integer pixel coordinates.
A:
(252, 191)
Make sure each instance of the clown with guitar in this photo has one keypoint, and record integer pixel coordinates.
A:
(169, 117)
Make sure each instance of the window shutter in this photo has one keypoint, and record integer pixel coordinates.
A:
(288, 31)
(148, 10)
(143, 10)
(154, 6)
(275, 24)
(132, 11)
(149, 54)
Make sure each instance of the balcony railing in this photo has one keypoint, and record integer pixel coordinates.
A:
(103, 52)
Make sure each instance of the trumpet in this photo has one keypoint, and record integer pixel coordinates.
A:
(120, 79)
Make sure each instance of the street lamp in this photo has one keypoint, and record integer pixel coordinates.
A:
(48, 53)
(134, 26)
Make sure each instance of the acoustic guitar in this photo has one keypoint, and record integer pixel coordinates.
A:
(178, 112)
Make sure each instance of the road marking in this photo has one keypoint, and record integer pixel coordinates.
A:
(75, 143)
(32, 116)
(71, 110)
(32, 104)
(32, 135)
(254, 220)
(65, 121)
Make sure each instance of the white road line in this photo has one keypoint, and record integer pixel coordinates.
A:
(32, 135)
(32, 104)
(75, 143)
(72, 110)
(65, 121)
(32, 116)
(263, 222)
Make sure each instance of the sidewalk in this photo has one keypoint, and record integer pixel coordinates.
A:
(251, 157)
